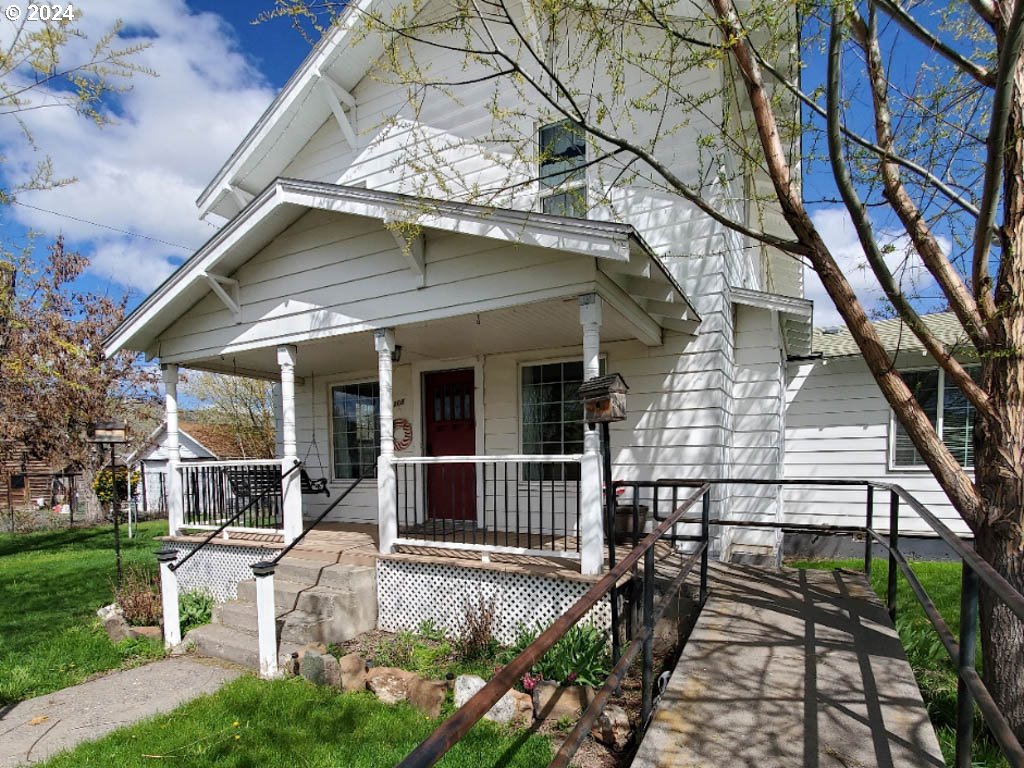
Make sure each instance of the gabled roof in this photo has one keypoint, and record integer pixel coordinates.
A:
(895, 336)
(284, 201)
(156, 437)
(336, 64)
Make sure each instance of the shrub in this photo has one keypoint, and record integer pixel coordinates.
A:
(139, 596)
(104, 480)
(476, 638)
(580, 657)
(195, 608)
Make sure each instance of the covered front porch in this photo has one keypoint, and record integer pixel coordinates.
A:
(427, 357)
(463, 436)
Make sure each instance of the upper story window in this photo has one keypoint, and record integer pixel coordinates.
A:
(562, 171)
(355, 429)
(947, 409)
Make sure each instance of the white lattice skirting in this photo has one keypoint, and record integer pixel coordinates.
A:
(411, 593)
(217, 568)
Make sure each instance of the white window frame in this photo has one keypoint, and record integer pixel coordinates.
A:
(940, 405)
(329, 396)
(580, 186)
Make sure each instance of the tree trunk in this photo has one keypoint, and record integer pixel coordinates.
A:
(1002, 631)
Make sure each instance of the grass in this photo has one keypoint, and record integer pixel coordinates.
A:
(290, 722)
(935, 673)
(51, 584)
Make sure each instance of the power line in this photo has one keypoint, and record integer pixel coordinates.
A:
(103, 226)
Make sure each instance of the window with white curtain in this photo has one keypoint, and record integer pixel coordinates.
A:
(947, 409)
(355, 429)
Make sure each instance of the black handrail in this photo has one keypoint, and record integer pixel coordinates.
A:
(315, 523)
(434, 747)
(175, 566)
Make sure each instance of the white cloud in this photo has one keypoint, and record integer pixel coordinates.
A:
(837, 230)
(173, 132)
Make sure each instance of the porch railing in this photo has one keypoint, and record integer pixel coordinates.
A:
(509, 504)
(249, 490)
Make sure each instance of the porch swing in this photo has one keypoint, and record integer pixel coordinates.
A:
(311, 487)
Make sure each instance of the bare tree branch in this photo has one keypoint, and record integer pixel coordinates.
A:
(909, 23)
(913, 220)
(1009, 56)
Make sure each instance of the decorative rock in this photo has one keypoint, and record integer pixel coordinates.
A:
(352, 672)
(153, 633)
(113, 622)
(391, 685)
(523, 705)
(466, 687)
(332, 671)
(312, 667)
(552, 701)
(612, 728)
(509, 707)
(666, 635)
(427, 695)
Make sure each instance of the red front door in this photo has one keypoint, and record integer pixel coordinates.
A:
(450, 431)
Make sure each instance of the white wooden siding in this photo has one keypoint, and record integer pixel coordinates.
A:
(837, 426)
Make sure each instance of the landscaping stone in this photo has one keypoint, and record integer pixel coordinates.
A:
(509, 707)
(427, 695)
(114, 622)
(312, 667)
(352, 670)
(612, 728)
(153, 633)
(332, 671)
(552, 701)
(389, 684)
(666, 635)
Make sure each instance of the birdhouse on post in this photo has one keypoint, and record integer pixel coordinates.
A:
(604, 399)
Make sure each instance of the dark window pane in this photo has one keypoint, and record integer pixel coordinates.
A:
(563, 153)
(356, 429)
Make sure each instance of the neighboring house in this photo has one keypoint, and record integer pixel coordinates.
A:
(839, 425)
(28, 483)
(151, 461)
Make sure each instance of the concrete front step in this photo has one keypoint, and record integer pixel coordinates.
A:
(315, 602)
(233, 645)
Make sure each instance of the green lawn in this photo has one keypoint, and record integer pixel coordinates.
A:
(51, 584)
(289, 722)
(935, 674)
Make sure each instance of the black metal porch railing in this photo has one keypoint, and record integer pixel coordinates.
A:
(248, 493)
(662, 498)
(506, 502)
(231, 520)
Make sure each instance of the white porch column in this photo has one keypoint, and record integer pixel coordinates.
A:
(590, 319)
(175, 510)
(387, 502)
(291, 487)
(591, 531)
(266, 622)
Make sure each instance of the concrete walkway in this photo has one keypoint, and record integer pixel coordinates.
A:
(33, 730)
(791, 668)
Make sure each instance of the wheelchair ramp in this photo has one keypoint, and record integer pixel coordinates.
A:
(791, 668)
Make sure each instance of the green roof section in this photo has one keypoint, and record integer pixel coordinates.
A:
(896, 336)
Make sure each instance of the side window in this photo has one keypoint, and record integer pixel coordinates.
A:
(562, 169)
(947, 409)
(355, 428)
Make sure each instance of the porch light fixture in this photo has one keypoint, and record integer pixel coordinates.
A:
(396, 354)
(604, 399)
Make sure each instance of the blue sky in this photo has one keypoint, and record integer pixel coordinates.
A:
(216, 73)
(132, 207)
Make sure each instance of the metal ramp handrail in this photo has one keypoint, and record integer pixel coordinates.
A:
(971, 688)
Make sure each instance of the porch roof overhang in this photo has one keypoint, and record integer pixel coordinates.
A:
(795, 316)
(629, 275)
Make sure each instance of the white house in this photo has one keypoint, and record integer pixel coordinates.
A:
(151, 462)
(435, 346)
(838, 425)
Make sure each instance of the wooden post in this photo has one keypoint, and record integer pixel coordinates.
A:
(387, 499)
(266, 619)
(169, 596)
(291, 487)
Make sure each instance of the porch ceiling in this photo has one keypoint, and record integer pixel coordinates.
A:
(544, 325)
